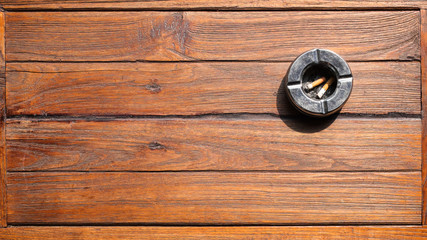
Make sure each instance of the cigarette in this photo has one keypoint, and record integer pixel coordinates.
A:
(316, 83)
(325, 87)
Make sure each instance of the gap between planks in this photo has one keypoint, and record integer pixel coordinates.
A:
(213, 225)
(203, 61)
(397, 232)
(230, 116)
(221, 171)
(172, 9)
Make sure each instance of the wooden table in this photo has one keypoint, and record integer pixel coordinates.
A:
(125, 119)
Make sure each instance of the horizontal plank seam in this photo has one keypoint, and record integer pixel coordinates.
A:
(212, 9)
(205, 61)
(178, 224)
(220, 171)
(225, 226)
(236, 116)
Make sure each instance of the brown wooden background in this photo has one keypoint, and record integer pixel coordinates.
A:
(167, 119)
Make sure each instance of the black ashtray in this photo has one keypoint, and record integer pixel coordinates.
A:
(319, 82)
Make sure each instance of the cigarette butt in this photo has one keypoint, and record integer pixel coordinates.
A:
(316, 83)
(325, 87)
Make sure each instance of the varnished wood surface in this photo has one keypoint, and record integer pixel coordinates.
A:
(193, 88)
(214, 197)
(206, 4)
(3, 203)
(216, 233)
(166, 36)
(292, 164)
(249, 143)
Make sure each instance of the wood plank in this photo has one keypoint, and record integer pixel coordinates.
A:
(424, 110)
(255, 143)
(193, 88)
(205, 4)
(217, 233)
(214, 197)
(3, 204)
(165, 36)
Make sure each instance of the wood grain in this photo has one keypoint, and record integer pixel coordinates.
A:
(216, 233)
(166, 36)
(214, 198)
(255, 143)
(193, 88)
(206, 4)
(3, 202)
(424, 110)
